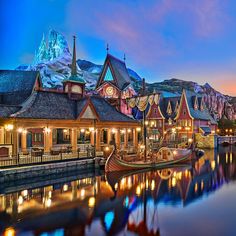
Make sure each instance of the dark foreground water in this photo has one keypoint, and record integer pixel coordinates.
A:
(199, 199)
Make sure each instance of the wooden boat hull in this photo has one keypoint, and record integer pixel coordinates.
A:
(114, 162)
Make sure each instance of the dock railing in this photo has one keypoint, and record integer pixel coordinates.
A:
(40, 157)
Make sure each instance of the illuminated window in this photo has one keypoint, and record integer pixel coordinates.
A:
(108, 75)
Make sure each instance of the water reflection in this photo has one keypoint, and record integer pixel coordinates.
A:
(119, 203)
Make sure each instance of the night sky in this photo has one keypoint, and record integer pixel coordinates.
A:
(186, 39)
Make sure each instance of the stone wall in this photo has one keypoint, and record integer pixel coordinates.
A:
(19, 173)
(208, 141)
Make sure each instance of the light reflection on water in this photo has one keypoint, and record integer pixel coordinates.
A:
(197, 199)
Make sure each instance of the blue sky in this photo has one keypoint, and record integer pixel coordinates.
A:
(191, 40)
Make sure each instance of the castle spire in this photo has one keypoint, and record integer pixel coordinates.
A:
(124, 57)
(73, 65)
(107, 48)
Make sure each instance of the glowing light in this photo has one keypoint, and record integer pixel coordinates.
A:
(107, 148)
(48, 202)
(173, 182)
(175, 152)
(116, 186)
(213, 131)
(91, 202)
(82, 193)
(138, 129)
(138, 190)
(195, 188)
(47, 130)
(187, 128)
(25, 193)
(9, 127)
(91, 129)
(65, 130)
(108, 219)
(142, 146)
(165, 132)
(122, 131)
(20, 130)
(146, 184)
(146, 122)
(20, 200)
(82, 130)
(129, 130)
(153, 185)
(50, 194)
(190, 140)
(113, 130)
(65, 187)
(9, 232)
(213, 165)
(152, 123)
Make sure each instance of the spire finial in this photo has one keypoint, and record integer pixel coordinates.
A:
(107, 48)
(124, 57)
(73, 65)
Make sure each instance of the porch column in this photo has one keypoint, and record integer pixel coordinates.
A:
(73, 139)
(98, 140)
(23, 141)
(2, 135)
(126, 139)
(14, 142)
(135, 138)
(117, 137)
(92, 138)
(47, 141)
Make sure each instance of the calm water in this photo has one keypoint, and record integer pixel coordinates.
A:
(199, 199)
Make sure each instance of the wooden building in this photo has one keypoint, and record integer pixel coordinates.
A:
(33, 117)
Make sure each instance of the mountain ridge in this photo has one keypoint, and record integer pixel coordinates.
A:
(53, 60)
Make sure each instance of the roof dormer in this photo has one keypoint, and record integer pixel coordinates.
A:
(169, 109)
(196, 105)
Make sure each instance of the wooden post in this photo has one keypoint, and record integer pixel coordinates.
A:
(98, 140)
(14, 142)
(126, 139)
(23, 142)
(118, 138)
(47, 141)
(135, 138)
(73, 139)
(2, 135)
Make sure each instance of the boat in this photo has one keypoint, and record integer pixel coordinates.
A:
(165, 157)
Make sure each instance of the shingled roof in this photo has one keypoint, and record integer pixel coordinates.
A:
(164, 104)
(119, 72)
(52, 105)
(198, 114)
(16, 86)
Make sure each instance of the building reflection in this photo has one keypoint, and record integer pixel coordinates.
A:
(116, 202)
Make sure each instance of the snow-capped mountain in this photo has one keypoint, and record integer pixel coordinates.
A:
(53, 59)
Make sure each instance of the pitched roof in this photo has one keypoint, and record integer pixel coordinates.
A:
(16, 86)
(198, 114)
(52, 105)
(164, 104)
(107, 112)
(119, 72)
(6, 110)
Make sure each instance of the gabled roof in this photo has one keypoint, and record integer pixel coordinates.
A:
(198, 114)
(118, 70)
(52, 105)
(164, 101)
(16, 86)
